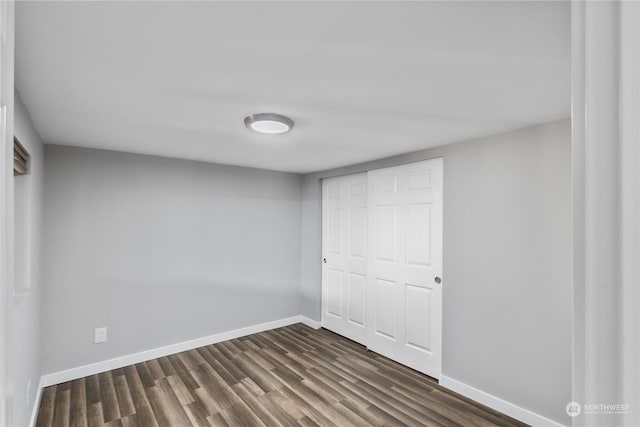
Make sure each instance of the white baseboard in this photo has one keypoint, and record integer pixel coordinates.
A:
(314, 324)
(473, 393)
(143, 356)
(501, 405)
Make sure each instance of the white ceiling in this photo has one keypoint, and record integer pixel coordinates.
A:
(362, 80)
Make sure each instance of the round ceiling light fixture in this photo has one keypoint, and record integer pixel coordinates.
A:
(270, 123)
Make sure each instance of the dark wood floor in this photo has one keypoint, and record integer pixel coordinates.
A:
(292, 376)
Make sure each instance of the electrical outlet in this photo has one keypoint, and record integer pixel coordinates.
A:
(100, 335)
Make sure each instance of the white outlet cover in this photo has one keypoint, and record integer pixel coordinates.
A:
(100, 335)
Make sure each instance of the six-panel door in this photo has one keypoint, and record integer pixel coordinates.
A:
(404, 289)
(345, 248)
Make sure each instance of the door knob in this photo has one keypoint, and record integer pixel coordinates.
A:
(324, 260)
(438, 279)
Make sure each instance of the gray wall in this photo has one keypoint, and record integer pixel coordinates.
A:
(23, 314)
(132, 240)
(507, 262)
(161, 251)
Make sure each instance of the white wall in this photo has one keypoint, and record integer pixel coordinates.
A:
(161, 251)
(507, 278)
(23, 313)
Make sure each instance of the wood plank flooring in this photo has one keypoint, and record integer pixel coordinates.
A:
(292, 376)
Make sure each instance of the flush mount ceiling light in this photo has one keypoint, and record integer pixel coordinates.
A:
(268, 123)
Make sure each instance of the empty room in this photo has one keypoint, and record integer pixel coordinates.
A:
(319, 213)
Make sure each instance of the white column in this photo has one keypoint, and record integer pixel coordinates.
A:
(6, 193)
(6, 172)
(630, 207)
(606, 160)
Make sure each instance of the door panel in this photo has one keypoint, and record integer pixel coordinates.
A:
(419, 180)
(335, 230)
(385, 309)
(344, 204)
(418, 225)
(385, 220)
(358, 232)
(405, 230)
(357, 190)
(357, 298)
(385, 184)
(334, 293)
(417, 318)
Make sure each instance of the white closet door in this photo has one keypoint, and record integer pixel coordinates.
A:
(344, 271)
(404, 303)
